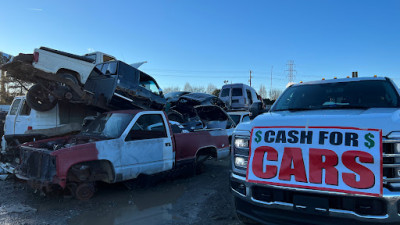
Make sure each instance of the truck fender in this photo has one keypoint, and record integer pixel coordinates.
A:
(90, 171)
(71, 72)
(204, 153)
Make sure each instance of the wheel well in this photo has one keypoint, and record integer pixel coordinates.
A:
(74, 73)
(99, 170)
(208, 151)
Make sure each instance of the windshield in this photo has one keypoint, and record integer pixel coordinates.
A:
(110, 125)
(359, 94)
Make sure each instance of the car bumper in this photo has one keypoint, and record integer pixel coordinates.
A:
(223, 152)
(285, 212)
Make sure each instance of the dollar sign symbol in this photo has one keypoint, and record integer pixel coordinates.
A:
(369, 142)
(258, 136)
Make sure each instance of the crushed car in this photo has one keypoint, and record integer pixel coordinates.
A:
(56, 74)
(95, 79)
(117, 146)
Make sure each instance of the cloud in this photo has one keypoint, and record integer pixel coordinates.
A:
(35, 9)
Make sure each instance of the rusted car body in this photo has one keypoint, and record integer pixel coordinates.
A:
(117, 146)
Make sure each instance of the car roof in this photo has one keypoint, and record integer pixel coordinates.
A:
(352, 79)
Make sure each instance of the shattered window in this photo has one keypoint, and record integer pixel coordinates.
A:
(110, 125)
(148, 127)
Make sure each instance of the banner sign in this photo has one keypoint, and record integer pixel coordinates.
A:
(339, 159)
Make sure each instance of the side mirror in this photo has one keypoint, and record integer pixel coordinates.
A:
(256, 109)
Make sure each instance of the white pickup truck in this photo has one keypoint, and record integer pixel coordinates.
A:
(328, 152)
(56, 74)
(23, 124)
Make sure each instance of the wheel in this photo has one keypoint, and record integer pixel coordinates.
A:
(84, 191)
(69, 77)
(40, 99)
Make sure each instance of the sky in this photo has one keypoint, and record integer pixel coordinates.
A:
(208, 41)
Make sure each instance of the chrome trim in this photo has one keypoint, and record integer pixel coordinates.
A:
(391, 165)
(390, 155)
(390, 141)
(123, 97)
(238, 192)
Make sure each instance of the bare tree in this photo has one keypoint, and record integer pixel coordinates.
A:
(263, 91)
(188, 87)
(198, 89)
(274, 94)
(171, 89)
(210, 88)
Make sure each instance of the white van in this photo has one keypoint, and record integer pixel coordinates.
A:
(62, 119)
(238, 96)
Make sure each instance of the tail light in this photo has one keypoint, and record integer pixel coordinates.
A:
(36, 57)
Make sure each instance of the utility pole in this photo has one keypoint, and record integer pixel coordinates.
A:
(250, 78)
(290, 71)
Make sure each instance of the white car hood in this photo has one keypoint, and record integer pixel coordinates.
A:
(387, 119)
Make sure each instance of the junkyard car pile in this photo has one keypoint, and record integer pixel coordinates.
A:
(129, 129)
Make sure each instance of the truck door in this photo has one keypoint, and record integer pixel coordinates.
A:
(23, 119)
(148, 147)
(9, 125)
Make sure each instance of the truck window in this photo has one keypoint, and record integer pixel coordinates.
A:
(109, 68)
(351, 95)
(225, 92)
(91, 56)
(147, 82)
(107, 58)
(237, 92)
(25, 110)
(249, 96)
(14, 106)
(148, 126)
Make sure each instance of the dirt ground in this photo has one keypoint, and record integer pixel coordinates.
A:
(184, 199)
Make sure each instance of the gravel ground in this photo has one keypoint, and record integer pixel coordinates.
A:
(184, 199)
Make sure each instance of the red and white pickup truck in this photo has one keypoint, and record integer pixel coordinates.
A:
(117, 146)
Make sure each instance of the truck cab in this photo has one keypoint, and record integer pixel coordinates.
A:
(327, 152)
(117, 146)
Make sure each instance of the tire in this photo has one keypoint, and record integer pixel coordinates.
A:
(40, 99)
(84, 191)
(70, 77)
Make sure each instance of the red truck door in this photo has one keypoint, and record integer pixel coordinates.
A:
(147, 147)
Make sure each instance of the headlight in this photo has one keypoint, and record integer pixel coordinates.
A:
(240, 162)
(241, 143)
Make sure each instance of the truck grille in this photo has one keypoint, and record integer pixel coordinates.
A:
(391, 162)
(37, 165)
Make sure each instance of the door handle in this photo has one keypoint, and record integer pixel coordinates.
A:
(168, 144)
